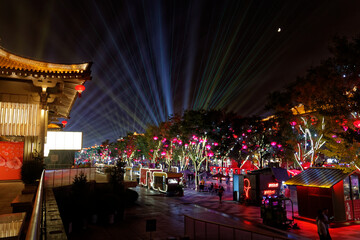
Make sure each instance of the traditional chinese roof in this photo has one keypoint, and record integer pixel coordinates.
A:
(59, 80)
(318, 177)
(9, 61)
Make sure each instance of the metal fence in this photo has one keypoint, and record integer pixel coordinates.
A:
(200, 229)
(63, 177)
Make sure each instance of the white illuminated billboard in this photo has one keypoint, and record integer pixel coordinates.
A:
(63, 141)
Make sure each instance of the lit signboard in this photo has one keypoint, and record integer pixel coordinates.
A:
(63, 141)
(269, 192)
(247, 187)
(273, 185)
(172, 181)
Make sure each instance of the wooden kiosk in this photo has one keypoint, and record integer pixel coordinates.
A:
(331, 188)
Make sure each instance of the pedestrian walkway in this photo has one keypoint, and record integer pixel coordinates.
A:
(237, 211)
(8, 192)
(169, 213)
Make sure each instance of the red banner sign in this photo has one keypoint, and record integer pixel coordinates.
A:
(11, 159)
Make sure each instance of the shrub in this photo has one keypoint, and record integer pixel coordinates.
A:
(31, 170)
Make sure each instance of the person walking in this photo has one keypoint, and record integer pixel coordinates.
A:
(321, 226)
(325, 213)
(221, 192)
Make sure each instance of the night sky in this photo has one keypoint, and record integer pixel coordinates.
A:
(156, 58)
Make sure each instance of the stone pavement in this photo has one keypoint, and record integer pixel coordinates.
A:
(8, 191)
(237, 211)
(169, 213)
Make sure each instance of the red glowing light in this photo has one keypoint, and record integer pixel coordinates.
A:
(235, 136)
(244, 147)
(249, 130)
(208, 147)
(215, 144)
(293, 123)
(79, 89)
(279, 145)
(273, 185)
(210, 154)
(273, 143)
(357, 123)
(246, 187)
(64, 123)
(163, 153)
(155, 138)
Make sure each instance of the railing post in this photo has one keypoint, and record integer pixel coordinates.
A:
(53, 178)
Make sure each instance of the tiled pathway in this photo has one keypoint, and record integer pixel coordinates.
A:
(238, 211)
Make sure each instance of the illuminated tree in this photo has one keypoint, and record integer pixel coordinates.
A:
(197, 150)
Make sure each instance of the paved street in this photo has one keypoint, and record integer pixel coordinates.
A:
(169, 213)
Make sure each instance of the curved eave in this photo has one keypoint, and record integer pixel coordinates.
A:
(11, 61)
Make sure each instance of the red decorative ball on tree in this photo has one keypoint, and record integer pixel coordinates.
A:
(64, 123)
(357, 123)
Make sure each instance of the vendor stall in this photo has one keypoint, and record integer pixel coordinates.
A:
(257, 184)
(331, 188)
(146, 176)
(167, 181)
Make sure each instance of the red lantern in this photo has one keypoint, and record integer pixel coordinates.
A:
(79, 89)
(357, 123)
(64, 123)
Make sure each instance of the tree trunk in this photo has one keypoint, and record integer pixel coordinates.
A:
(196, 179)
